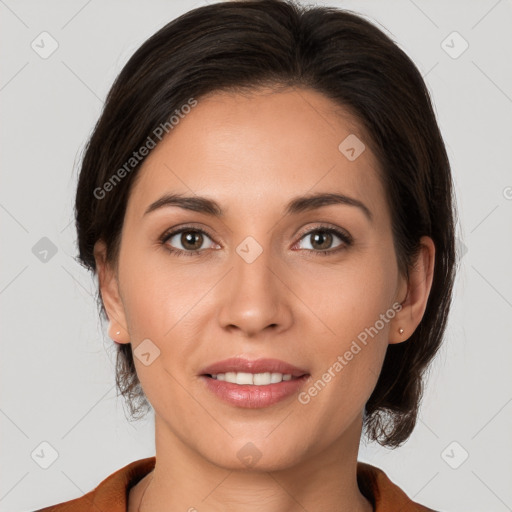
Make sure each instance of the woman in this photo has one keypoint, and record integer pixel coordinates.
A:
(267, 202)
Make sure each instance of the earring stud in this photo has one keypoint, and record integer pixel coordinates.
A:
(118, 333)
(401, 331)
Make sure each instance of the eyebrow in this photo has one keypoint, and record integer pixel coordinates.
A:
(297, 205)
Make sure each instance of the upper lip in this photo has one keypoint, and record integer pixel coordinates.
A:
(240, 364)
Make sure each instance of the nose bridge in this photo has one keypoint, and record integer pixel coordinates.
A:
(252, 263)
(255, 297)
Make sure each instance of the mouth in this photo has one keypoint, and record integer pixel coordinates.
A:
(245, 369)
(254, 379)
(253, 384)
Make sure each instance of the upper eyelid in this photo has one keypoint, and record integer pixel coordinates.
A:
(326, 228)
(176, 231)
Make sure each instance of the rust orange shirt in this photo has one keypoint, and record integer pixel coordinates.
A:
(111, 495)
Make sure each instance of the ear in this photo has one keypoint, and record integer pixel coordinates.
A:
(109, 289)
(418, 290)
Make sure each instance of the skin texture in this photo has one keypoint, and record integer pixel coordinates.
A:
(252, 154)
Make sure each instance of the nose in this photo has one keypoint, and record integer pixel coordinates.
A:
(256, 297)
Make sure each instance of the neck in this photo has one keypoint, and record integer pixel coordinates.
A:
(185, 480)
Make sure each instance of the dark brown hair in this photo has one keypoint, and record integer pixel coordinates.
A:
(242, 46)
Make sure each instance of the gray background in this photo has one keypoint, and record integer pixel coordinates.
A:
(57, 365)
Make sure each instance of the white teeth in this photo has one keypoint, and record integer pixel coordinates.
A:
(243, 378)
(261, 379)
(256, 379)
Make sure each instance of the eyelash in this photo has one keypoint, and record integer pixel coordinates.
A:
(345, 237)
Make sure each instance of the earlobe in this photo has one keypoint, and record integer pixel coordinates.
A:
(117, 333)
(109, 290)
(418, 291)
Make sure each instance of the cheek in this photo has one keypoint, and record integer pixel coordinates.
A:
(348, 296)
(158, 293)
(159, 301)
(348, 360)
(352, 308)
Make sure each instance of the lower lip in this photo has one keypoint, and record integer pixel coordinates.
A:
(251, 396)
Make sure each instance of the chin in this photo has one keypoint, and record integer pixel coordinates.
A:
(255, 456)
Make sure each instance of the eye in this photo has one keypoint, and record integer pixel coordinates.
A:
(322, 239)
(192, 241)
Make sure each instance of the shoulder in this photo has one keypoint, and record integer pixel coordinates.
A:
(384, 495)
(111, 494)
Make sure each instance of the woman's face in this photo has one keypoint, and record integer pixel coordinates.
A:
(260, 285)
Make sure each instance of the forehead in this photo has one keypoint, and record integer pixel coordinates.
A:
(260, 148)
